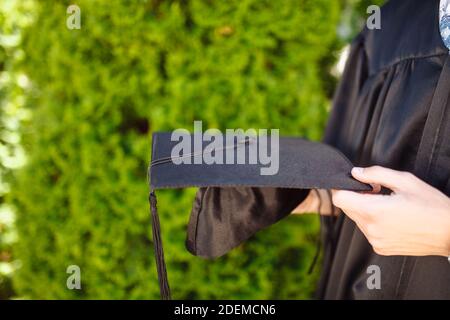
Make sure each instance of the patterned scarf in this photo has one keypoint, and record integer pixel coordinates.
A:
(444, 21)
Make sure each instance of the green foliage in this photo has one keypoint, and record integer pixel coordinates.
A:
(140, 66)
(12, 85)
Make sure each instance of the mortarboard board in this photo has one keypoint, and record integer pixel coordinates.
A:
(233, 175)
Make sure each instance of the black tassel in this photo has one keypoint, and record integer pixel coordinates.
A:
(319, 240)
(159, 252)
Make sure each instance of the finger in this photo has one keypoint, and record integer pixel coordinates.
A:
(392, 179)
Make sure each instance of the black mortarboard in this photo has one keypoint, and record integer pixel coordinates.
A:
(243, 187)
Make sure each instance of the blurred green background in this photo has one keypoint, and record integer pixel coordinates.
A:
(77, 111)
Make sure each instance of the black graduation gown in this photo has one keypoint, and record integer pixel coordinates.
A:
(391, 109)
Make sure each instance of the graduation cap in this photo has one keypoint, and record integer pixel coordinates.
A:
(246, 183)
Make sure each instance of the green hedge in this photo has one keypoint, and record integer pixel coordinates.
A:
(140, 66)
(13, 18)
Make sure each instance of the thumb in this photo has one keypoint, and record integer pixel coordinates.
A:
(392, 179)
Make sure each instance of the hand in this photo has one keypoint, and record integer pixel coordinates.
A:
(414, 220)
(317, 201)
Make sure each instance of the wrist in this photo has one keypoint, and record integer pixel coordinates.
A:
(448, 233)
(308, 205)
(446, 224)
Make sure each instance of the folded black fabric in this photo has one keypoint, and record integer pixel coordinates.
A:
(242, 189)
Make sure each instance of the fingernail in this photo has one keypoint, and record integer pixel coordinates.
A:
(357, 171)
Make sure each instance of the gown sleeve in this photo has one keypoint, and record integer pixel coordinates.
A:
(222, 218)
(347, 94)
